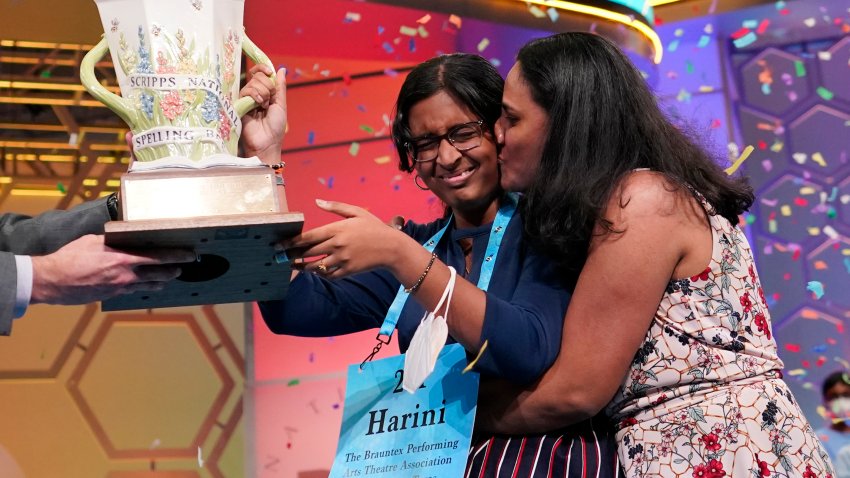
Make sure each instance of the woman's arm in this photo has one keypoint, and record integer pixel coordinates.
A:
(617, 295)
(522, 329)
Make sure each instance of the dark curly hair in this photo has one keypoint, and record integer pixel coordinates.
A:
(604, 122)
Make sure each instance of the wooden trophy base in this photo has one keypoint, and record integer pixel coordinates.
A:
(229, 217)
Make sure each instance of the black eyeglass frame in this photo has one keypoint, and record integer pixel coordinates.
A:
(410, 146)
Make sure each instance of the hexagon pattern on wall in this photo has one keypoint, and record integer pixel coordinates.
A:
(794, 108)
(154, 393)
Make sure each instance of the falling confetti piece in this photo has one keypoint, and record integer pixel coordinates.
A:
(731, 169)
(382, 160)
(825, 93)
(61, 188)
(818, 158)
(293, 382)
(456, 21)
(483, 44)
(352, 17)
(367, 128)
(797, 372)
(745, 40)
(792, 348)
(409, 31)
(354, 148)
(809, 22)
(424, 20)
(553, 14)
(800, 68)
(821, 265)
(536, 11)
(480, 353)
(800, 158)
(824, 56)
(785, 210)
(200, 458)
(816, 288)
(830, 232)
(704, 40)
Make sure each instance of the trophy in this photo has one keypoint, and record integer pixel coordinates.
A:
(178, 66)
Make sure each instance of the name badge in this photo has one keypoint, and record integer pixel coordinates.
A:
(387, 432)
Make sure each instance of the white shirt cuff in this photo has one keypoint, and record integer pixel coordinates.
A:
(24, 293)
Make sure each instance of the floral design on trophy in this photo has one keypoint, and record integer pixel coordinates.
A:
(178, 65)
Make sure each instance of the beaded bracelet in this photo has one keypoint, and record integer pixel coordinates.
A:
(415, 286)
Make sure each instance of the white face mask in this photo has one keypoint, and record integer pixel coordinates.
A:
(840, 407)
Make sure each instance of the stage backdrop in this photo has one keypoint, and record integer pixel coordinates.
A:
(298, 384)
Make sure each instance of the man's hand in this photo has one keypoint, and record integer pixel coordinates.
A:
(86, 270)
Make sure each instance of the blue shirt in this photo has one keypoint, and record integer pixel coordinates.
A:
(523, 320)
(833, 441)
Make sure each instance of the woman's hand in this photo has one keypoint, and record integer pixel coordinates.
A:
(264, 126)
(357, 243)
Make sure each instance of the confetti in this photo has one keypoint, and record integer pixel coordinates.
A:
(200, 458)
(475, 361)
(818, 158)
(456, 21)
(704, 41)
(483, 44)
(824, 56)
(745, 40)
(830, 232)
(424, 20)
(61, 188)
(354, 148)
(816, 288)
(553, 14)
(731, 169)
(825, 93)
(352, 17)
(383, 159)
(293, 382)
(792, 348)
(800, 69)
(409, 31)
(536, 11)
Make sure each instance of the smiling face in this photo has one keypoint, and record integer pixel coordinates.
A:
(468, 181)
(521, 131)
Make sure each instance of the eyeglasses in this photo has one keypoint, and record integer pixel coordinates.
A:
(463, 137)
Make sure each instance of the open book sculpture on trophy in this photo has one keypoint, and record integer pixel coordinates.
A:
(178, 65)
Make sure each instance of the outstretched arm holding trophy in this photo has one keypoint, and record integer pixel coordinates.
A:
(58, 258)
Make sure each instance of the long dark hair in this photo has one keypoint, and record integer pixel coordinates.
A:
(470, 79)
(604, 122)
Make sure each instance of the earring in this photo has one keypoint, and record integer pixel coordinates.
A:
(423, 187)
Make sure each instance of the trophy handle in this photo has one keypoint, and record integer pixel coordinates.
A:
(89, 80)
(246, 103)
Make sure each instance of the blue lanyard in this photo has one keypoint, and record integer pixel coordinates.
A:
(497, 232)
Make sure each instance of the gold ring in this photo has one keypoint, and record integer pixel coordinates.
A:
(322, 267)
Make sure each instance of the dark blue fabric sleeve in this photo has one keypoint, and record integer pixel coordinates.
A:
(317, 307)
(523, 334)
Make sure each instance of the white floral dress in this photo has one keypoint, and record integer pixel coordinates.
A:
(704, 396)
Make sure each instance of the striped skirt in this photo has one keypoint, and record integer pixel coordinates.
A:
(583, 450)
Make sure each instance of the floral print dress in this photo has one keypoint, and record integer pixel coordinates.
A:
(704, 396)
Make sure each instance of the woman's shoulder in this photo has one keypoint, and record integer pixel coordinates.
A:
(657, 201)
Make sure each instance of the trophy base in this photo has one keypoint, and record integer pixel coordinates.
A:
(236, 258)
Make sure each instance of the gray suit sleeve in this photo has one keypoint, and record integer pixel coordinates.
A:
(39, 235)
(9, 281)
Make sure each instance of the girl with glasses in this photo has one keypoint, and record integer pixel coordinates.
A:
(444, 134)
